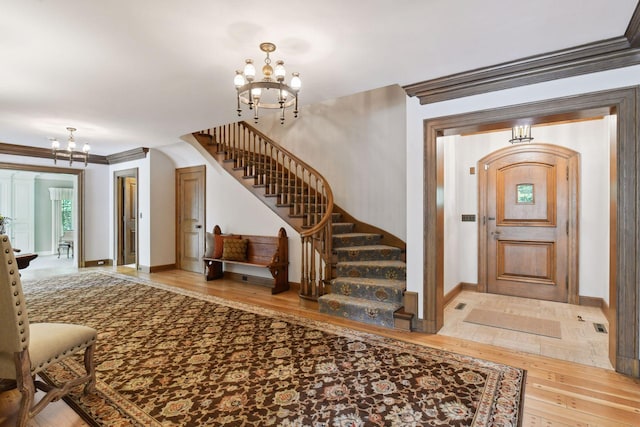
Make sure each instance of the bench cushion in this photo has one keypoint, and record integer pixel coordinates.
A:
(235, 249)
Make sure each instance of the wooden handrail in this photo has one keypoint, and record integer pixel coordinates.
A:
(295, 184)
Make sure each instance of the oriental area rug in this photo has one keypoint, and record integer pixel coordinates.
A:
(167, 357)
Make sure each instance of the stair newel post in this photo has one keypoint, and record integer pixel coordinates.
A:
(312, 268)
(304, 280)
(328, 248)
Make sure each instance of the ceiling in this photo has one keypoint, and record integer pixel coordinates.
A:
(131, 73)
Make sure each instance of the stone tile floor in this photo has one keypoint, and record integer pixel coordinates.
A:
(580, 342)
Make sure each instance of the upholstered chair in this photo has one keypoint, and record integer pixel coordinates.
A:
(26, 349)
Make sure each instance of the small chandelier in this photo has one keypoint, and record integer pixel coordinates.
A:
(259, 94)
(521, 133)
(70, 152)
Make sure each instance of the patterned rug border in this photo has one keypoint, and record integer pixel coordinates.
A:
(481, 416)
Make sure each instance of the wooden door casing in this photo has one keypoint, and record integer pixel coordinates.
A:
(529, 249)
(130, 213)
(125, 184)
(190, 207)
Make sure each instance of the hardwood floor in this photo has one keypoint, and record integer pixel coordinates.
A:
(558, 393)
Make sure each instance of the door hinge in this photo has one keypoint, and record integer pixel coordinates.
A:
(567, 173)
(566, 281)
(567, 227)
(486, 167)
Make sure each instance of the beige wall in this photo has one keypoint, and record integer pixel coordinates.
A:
(357, 143)
(591, 140)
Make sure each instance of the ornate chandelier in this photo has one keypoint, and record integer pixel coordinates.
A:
(271, 92)
(70, 152)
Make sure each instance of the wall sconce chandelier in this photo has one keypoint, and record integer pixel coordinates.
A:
(521, 133)
(271, 92)
(70, 152)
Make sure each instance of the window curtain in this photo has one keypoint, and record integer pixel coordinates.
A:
(57, 195)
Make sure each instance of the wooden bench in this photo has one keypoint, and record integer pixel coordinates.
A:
(270, 252)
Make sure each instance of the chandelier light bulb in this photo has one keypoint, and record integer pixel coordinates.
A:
(55, 144)
(296, 83)
(256, 92)
(239, 80)
(86, 147)
(280, 72)
(249, 70)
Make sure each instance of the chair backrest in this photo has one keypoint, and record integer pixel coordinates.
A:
(14, 324)
(68, 236)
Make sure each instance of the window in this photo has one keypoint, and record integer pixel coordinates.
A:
(524, 194)
(67, 223)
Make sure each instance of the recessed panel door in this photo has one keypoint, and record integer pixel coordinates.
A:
(527, 225)
(130, 213)
(190, 194)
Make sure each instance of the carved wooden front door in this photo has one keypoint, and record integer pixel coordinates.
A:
(528, 214)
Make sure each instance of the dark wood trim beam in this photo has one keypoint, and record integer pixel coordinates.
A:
(125, 156)
(45, 153)
(633, 30)
(585, 59)
(624, 260)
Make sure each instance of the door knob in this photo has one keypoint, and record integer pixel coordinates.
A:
(198, 226)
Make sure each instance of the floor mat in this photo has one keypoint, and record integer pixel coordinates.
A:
(514, 322)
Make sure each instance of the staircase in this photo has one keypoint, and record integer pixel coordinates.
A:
(350, 274)
(370, 278)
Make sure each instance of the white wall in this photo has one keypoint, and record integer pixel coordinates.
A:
(236, 210)
(417, 113)
(162, 205)
(357, 143)
(591, 140)
(96, 203)
(144, 209)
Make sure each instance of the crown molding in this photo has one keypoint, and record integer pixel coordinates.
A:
(125, 156)
(633, 30)
(27, 151)
(598, 56)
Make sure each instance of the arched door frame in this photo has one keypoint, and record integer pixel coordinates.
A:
(624, 284)
(573, 179)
